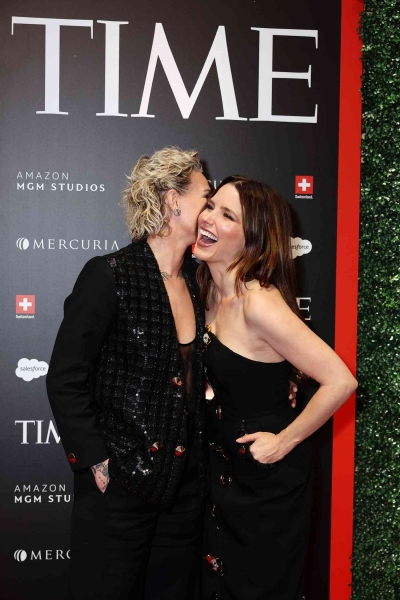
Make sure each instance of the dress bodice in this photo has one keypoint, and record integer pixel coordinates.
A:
(246, 387)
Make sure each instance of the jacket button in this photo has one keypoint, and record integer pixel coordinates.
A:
(156, 447)
(214, 563)
(179, 450)
(226, 480)
(218, 412)
(219, 450)
(176, 382)
(72, 458)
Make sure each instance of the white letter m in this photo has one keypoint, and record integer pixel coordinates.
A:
(218, 52)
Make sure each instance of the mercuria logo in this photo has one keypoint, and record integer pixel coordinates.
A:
(22, 243)
(22, 555)
(60, 244)
(161, 52)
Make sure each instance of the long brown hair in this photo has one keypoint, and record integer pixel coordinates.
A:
(267, 253)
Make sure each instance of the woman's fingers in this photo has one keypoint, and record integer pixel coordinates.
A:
(292, 393)
(264, 447)
(249, 437)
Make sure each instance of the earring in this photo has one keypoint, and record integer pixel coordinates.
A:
(177, 211)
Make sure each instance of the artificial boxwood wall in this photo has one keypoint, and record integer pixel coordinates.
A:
(376, 557)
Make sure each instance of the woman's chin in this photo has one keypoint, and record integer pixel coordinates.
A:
(201, 252)
(196, 251)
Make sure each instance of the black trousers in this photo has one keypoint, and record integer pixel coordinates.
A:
(125, 549)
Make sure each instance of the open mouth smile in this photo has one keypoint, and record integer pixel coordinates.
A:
(206, 238)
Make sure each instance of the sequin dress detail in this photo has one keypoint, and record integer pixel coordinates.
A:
(257, 521)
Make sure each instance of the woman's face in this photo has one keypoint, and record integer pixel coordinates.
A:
(191, 204)
(220, 236)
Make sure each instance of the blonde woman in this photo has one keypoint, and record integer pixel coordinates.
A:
(125, 385)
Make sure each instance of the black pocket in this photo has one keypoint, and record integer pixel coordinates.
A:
(248, 472)
(261, 465)
(266, 424)
(84, 483)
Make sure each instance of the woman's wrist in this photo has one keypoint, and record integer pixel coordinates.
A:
(285, 442)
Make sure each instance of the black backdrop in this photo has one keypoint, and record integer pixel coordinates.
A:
(49, 230)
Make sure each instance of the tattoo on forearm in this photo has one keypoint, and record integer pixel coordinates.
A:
(100, 472)
(167, 276)
(101, 468)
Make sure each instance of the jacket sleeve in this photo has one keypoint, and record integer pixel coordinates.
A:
(88, 315)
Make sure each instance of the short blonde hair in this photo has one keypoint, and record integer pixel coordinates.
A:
(151, 177)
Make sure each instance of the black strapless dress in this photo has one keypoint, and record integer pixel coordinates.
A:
(258, 518)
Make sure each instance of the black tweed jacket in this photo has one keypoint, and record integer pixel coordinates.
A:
(121, 396)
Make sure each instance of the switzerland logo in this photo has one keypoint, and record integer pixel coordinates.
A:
(24, 304)
(304, 184)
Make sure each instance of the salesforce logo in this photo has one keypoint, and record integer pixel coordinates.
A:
(300, 247)
(31, 369)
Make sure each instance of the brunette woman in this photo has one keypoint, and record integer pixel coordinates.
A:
(258, 520)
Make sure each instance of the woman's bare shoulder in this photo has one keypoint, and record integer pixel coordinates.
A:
(265, 303)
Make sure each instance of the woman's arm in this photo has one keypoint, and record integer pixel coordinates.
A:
(268, 314)
(88, 314)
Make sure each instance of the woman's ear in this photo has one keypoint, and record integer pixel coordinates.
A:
(171, 200)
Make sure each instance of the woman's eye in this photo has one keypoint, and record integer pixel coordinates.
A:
(208, 205)
(228, 216)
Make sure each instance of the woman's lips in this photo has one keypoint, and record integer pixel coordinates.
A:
(206, 238)
(204, 242)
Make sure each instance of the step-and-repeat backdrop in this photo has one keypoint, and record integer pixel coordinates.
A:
(86, 88)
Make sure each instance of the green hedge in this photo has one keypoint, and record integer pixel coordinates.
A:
(376, 558)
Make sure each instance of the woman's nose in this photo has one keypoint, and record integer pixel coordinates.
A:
(208, 218)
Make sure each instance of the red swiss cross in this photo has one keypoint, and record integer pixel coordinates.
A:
(304, 184)
(24, 304)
